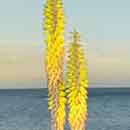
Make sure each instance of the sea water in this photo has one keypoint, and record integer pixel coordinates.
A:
(109, 109)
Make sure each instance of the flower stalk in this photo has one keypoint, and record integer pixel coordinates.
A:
(54, 61)
(77, 85)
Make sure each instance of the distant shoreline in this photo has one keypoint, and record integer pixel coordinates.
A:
(43, 91)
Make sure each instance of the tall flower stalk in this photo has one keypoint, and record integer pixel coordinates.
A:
(54, 61)
(76, 85)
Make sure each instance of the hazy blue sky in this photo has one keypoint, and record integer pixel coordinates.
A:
(105, 25)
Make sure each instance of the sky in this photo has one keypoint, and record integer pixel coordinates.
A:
(104, 27)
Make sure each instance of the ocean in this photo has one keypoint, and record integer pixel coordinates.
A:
(108, 108)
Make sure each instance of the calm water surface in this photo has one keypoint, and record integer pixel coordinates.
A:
(27, 110)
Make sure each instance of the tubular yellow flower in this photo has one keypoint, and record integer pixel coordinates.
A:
(76, 85)
(54, 60)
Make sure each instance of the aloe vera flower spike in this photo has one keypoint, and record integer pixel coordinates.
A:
(77, 85)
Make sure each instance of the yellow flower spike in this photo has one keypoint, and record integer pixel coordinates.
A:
(54, 39)
(76, 85)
